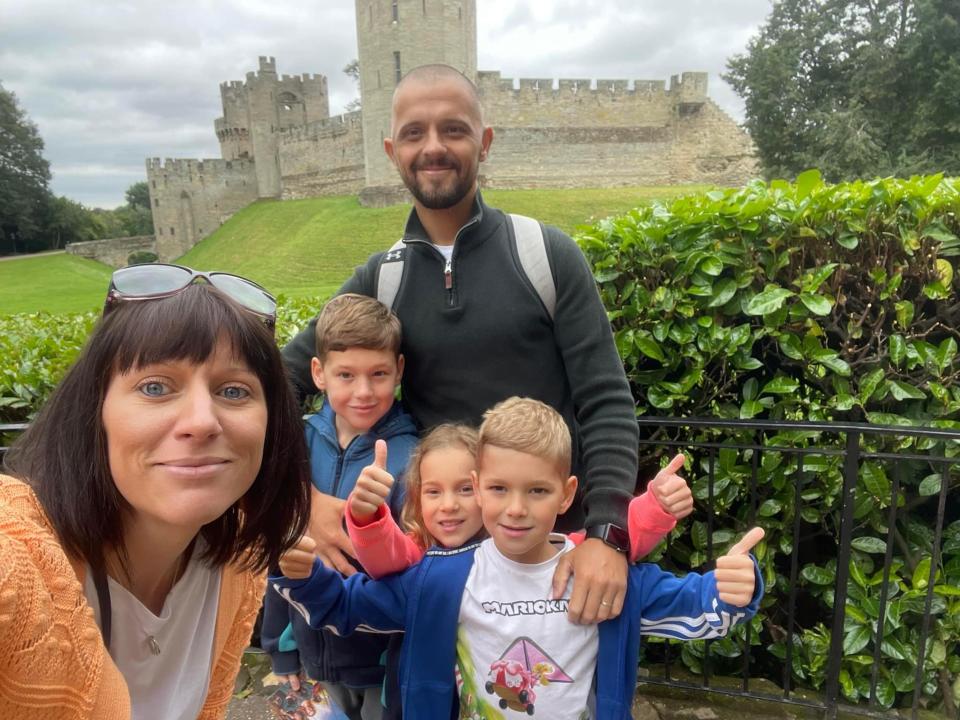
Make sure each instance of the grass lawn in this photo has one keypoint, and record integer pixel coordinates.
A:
(56, 283)
(298, 247)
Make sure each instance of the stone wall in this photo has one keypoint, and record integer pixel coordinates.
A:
(192, 198)
(114, 251)
(545, 102)
(701, 145)
(323, 158)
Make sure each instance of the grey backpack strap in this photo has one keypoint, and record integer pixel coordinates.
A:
(390, 274)
(532, 252)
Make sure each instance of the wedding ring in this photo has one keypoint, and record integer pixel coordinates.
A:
(604, 602)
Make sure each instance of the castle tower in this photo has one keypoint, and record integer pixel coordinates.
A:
(394, 36)
(255, 110)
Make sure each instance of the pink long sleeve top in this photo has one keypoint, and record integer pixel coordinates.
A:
(384, 548)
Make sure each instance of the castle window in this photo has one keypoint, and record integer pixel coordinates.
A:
(396, 64)
(161, 230)
(156, 202)
(379, 82)
(459, 12)
(424, 7)
(172, 231)
(396, 10)
(370, 16)
(154, 184)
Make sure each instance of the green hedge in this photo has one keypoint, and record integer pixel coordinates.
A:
(806, 302)
(782, 301)
(37, 348)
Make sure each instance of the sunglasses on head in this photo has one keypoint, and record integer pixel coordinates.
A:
(154, 281)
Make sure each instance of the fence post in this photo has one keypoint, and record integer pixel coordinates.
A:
(851, 467)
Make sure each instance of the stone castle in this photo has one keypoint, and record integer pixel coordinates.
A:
(278, 140)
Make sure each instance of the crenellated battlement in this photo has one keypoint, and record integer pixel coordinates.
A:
(322, 128)
(189, 167)
(689, 86)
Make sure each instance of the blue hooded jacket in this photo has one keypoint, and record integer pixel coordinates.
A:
(292, 644)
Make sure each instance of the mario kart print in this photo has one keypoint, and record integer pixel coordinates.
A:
(513, 682)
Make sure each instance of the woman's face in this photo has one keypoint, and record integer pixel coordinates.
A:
(185, 441)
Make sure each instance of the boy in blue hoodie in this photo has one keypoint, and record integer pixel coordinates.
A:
(485, 637)
(358, 367)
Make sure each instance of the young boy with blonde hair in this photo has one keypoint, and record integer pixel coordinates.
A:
(358, 367)
(481, 623)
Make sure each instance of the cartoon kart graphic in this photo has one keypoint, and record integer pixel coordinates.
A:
(519, 670)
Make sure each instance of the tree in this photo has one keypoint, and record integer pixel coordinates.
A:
(854, 87)
(138, 195)
(24, 175)
(352, 71)
(68, 221)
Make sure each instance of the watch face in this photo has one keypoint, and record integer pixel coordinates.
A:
(618, 537)
(613, 535)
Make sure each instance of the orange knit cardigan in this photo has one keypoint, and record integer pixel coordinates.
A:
(52, 656)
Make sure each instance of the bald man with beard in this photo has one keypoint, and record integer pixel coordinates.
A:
(475, 331)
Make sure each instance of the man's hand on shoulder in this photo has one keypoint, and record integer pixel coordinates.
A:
(326, 528)
(599, 581)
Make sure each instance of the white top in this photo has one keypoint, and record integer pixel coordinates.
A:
(446, 251)
(517, 653)
(171, 685)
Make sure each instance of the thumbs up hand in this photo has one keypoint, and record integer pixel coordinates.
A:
(373, 486)
(735, 571)
(671, 490)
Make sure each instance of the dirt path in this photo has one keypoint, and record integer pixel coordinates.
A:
(31, 255)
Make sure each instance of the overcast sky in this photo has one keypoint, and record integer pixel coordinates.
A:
(112, 82)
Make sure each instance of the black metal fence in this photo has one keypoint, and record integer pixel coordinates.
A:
(805, 453)
(7, 432)
(862, 458)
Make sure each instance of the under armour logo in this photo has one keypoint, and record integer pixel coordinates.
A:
(393, 255)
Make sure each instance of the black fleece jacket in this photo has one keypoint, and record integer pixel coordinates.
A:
(481, 334)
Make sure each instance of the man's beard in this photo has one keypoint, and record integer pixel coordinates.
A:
(438, 197)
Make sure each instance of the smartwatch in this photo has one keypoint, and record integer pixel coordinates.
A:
(613, 535)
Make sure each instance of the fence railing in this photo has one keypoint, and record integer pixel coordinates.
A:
(804, 453)
(860, 457)
(7, 432)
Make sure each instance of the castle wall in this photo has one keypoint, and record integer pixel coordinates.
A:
(424, 31)
(113, 251)
(323, 158)
(700, 145)
(545, 102)
(192, 198)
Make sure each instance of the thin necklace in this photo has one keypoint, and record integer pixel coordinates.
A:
(181, 567)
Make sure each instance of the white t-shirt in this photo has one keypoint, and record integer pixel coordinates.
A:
(171, 685)
(517, 653)
(446, 251)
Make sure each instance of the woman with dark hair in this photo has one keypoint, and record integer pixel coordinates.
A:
(165, 474)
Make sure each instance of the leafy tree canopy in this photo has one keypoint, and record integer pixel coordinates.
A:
(856, 88)
(138, 195)
(24, 174)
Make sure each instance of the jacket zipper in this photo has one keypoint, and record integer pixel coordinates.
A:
(448, 281)
(339, 471)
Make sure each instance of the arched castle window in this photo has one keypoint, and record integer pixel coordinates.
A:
(396, 10)
(288, 101)
(396, 64)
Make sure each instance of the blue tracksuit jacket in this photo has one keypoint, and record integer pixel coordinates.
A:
(424, 601)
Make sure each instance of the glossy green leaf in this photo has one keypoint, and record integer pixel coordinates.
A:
(767, 301)
(817, 304)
